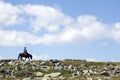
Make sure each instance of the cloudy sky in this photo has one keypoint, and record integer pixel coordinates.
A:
(60, 29)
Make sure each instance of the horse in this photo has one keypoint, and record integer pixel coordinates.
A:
(21, 55)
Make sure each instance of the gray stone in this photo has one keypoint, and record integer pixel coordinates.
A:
(104, 73)
(85, 72)
(18, 68)
(76, 73)
(45, 67)
(42, 63)
(11, 63)
(89, 79)
(2, 72)
(29, 78)
(45, 78)
(2, 64)
(56, 74)
(38, 74)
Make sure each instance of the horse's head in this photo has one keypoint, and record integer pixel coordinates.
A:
(30, 56)
(20, 55)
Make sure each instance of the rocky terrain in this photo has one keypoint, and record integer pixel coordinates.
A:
(58, 70)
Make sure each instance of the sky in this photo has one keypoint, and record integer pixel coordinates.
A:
(60, 29)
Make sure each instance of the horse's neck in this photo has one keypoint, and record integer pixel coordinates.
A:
(27, 53)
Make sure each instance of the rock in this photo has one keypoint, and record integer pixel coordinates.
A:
(90, 73)
(76, 73)
(38, 74)
(2, 64)
(45, 78)
(28, 74)
(42, 63)
(85, 72)
(18, 68)
(29, 78)
(11, 63)
(56, 74)
(62, 78)
(37, 70)
(70, 67)
(2, 72)
(54, 61)
(8, 72)
(89, 79)
(104, 73)
(45, 67)
(98, 78)
(60, 67)
(26, 63)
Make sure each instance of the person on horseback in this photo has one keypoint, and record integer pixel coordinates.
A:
(24, 54)
(25, 51)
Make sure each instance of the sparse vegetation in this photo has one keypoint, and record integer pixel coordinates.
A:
(59, 70)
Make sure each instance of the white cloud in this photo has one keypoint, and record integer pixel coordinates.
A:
(70, 35)
(103, 43)
(45, 17)
(91, 59)
(85, 31)
(9, 14)
(115, 32)
(1, 57)
(53, 26)
(92, 29)
(40, 57)
(16, 38)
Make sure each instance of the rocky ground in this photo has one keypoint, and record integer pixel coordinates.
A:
(58, 70)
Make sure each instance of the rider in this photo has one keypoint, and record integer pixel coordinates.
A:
(25, 50)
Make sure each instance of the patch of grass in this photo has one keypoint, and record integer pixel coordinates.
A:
(66, 73)
(7, 78)
(44, 71)
(81, 77)
(95, 63)
(115, 78)
(20, 73)
(75, 63)
(47, 63)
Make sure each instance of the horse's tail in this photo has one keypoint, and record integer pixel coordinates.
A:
(31, 57)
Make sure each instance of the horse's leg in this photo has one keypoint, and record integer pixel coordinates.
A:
(18, 56)
(21, 58)
(29, 58)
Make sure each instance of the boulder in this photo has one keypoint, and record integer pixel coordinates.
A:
(2, 64)
(45, 67)
(11, 63)
(89, 79)
(45, 78)
(56, 74)
(104, 73)
(29, 78)
(38, 74)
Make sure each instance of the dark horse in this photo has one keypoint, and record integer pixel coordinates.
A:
(21, 55)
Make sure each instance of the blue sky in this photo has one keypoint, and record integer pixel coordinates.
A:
(60, 29)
